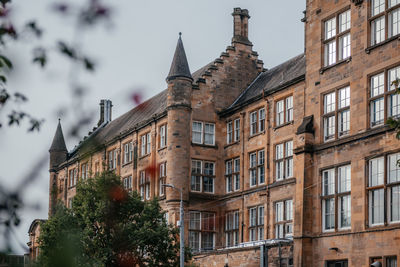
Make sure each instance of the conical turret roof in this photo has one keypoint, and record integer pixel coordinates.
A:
(179, 66)
(58, 140)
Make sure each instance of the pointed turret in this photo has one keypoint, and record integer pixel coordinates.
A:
(179, 66)
(58, 150)
(58, 140)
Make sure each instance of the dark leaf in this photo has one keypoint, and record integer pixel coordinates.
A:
(35, 125)
(21, 97)
(4, 2)
(39, 56)
(3, 78)
(61, 7)
(6, 61)
(89, 65)
(66, 50)
(34, 28)
(4, 96)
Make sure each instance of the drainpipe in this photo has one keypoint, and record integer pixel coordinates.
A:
(242, 173)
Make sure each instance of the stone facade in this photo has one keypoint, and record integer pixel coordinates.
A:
(293, 165)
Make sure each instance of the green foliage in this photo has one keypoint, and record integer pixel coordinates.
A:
(107, 226)
(395, 122)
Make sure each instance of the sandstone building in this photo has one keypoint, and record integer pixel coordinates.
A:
(291, 166)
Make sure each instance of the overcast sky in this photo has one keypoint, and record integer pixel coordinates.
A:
(133, 53)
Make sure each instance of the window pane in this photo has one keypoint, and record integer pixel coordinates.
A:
(378, 30)
(279, 211)
(377, 84)
(377, 6)
(279, 170)
(330, 28)
(329, 213)
(289, 210)
(261, 120)
(197, 132)
(279, 112)
(328, 182)
(289, 149)
(289, 168)
(207, 241)
(345, 211)
(253, 160)
(229, 133)
(394, 22)
(376, 171)
(236, 165)
(209, 129)
(377, 111)
(194, 220)
(253, 216)
(395, 204)
(253, 177)
(344, 46)
(209, 168)
(279, 231)
(393, 168)
(344, 176)
(260, 219)
(237, 130)
(344, 122)
(344, 97)
(330, 53)
(329, 102)
(391, 261)
(279, 151)
(194, 240)
(393, 75)
(329, 127)
(376, 206)
(393, 3)
(228, 167)
(344, 21)
(253, 123)
(289, 108)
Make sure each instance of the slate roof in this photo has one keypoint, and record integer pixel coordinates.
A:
(272, 80)
(58, 143)
(135, 118)
(179, 65)
(155, 107)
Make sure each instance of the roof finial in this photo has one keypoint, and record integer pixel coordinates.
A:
(59, 119)
(180, 34)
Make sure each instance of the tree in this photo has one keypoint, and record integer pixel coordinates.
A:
(107, 226)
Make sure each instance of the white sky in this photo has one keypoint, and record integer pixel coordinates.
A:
(133, 53)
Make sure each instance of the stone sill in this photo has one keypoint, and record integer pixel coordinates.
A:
(232, 144)
(203, 145)
(283, 125)
(340, 62)
(161, 148)
(126, 164)
(372, 47)
(287, 181)
(144, 156)
(256, 134)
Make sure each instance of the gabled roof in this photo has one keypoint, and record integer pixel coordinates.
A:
(271, 81)
(58, 143)
(135, 118)
(179, 66)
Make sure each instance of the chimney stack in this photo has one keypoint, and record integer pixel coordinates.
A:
(105, 111)
(241, 26)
